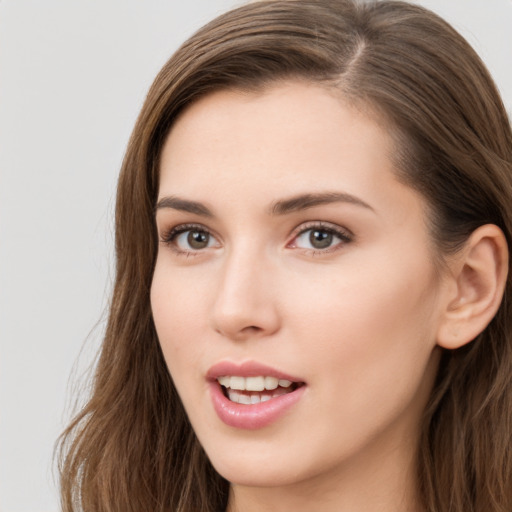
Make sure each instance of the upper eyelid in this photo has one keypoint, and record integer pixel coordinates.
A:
(168, 238)
(328, 226)
(186, 226)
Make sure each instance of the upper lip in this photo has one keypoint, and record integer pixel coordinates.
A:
(247, 369)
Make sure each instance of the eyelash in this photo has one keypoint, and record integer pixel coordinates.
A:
(169, 237)
(343, 234)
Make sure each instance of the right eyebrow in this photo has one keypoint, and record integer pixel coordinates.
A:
(183, 205)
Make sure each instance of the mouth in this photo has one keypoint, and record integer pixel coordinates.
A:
(251, 395)
(256, 389)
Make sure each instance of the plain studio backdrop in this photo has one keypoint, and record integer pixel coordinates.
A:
(73, 76)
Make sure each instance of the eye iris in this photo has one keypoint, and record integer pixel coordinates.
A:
(320, 239)
(198, 239)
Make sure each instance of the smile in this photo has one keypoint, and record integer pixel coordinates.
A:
(254, 390)
(251, 395)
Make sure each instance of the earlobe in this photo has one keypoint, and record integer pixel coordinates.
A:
(478, 274)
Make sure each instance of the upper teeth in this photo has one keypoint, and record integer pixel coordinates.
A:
(253, 383)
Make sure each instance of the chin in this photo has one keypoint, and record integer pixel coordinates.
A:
(258, 460)
(256, 475)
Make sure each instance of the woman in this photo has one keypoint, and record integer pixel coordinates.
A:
(311, 305)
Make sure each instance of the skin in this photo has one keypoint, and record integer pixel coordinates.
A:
(356, 321)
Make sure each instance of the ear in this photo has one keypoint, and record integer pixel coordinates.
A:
(477, 282)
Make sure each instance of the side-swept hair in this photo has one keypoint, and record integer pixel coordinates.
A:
(132, 447)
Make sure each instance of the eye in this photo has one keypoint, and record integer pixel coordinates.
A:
(195, 240)
(316, 239)
(187, 239)
(321, 238)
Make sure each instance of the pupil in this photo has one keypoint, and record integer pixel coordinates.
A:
(198, 239)
(320, 239)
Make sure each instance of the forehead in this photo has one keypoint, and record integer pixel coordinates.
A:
(295, 127)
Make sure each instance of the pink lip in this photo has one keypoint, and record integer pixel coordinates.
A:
(254, 416)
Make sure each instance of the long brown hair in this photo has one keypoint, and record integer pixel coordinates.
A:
(132, 448)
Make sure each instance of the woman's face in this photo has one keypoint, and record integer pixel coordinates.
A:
(290, 252)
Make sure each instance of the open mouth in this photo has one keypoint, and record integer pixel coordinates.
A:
(254, 390)
(250, 395)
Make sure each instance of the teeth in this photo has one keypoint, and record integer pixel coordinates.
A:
(237, 383)
(248, 390)
(241, 398)
(244, 399)
(233, 396)
(255, 383)
(259, 383)
(224, 381)
(271, 383)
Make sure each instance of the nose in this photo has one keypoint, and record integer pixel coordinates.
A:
(245, 304)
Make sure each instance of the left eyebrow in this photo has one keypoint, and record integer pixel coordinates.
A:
(304, 201)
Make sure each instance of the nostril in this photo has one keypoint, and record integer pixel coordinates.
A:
(252, 328)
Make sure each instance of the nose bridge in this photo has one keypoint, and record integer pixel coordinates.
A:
(245, 300)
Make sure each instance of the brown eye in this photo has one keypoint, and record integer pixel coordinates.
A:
(198, 239)
(191, 239)
(320, 239)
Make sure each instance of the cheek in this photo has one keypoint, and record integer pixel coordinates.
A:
(369, 328)
(178, 310)
(367, 342)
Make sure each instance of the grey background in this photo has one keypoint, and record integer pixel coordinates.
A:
(73, 75)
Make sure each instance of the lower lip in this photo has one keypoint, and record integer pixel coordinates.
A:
(254, 416)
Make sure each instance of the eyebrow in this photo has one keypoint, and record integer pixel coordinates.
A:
(305, 201)
(281, 207)
(183, 205)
